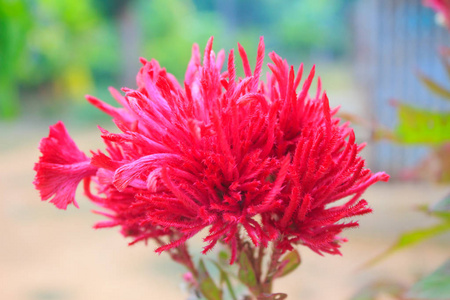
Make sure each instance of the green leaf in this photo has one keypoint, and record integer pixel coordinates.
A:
(225, 278)
(435, 87)
(246, 272)
(372, 291)
(224, 275)
(441, 209)
(207, 286)
(441, 206)
(413, 237)
(418, 126)
(434, 286)
(276, 296)
(288, 264)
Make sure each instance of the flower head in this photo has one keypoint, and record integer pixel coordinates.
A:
(234, 155)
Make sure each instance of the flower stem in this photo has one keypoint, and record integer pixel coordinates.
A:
(264, 280)
(273, 267)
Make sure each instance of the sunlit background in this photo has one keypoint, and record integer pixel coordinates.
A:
(54, 52)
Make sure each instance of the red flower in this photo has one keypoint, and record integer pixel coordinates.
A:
(227, 154)
(442, 8)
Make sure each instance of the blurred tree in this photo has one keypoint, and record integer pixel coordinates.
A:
(306, 27)
(14, 23)
(169, 29)
(52, 49)
(111, 8)
(60, 44)
(315, 27)
(128, 31)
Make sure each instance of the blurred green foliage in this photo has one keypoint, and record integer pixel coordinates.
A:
(419, 126)
(432, 128)
(434, 286)
(441, 211)
(306, 26)
(14, 23)
(169, 37)
(53, 51)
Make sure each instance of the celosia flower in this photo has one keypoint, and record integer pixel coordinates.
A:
(231, 155)
(442, 8)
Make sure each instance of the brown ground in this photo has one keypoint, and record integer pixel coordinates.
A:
(46, 254)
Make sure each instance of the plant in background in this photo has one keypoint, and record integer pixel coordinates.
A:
(259, 165)
(14, 22)
(417, 126)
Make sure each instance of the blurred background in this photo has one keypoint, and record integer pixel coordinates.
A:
(53, 52)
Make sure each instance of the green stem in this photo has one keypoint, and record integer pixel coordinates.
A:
(273, 267)
(256, 256)
(181, 255)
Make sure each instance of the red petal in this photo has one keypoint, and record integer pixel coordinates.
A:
(61, 167)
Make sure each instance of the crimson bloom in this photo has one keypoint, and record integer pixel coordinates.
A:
(442, 8)
(244, 158)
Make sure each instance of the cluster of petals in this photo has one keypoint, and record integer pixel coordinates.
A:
(246, 159)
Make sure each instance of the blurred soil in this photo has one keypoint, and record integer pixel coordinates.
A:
(47, 254)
